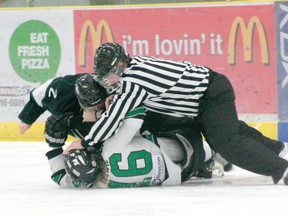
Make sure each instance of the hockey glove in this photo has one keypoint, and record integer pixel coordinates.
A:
(56, 129)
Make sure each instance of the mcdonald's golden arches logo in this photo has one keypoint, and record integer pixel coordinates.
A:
(247, 37)
(97, 34)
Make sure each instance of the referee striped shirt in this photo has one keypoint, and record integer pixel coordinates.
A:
(163, 86)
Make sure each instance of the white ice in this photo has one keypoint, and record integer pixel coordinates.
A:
(26, 190)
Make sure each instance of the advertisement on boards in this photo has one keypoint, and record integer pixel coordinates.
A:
(238, 41)
(35, 47)
(282, 67)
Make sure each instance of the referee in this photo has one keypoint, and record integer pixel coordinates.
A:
(183, 89)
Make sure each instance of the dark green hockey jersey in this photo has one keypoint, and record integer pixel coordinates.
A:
(55, 95)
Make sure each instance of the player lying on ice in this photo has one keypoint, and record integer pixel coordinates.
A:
(125, 160)
(143, 161)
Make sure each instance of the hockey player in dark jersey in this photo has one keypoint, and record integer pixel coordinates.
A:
(57, 96)
(183, 89)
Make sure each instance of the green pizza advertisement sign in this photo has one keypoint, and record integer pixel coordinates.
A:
(35, 51)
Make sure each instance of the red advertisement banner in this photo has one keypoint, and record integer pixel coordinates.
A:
(238, 41)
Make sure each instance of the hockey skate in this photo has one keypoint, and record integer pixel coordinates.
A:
(226, 164)
(284, 152)
(284, 179)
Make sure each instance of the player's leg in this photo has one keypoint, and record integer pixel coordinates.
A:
(221, 127)
(248, 131)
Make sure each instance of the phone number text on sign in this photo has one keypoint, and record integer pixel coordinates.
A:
(12, 102)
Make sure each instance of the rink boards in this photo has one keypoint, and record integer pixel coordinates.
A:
(245, 41)
(9, 131)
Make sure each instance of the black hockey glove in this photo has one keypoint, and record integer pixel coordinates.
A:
(56, 129)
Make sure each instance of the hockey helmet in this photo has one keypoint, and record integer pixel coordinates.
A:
(88, 91)
(106, 60)
(83, 165)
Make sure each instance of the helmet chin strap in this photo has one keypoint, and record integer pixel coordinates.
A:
(98, 114)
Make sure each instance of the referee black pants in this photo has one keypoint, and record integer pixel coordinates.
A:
(237, 142)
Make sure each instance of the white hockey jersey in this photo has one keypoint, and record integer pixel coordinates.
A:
(131, 161)
(139, 163)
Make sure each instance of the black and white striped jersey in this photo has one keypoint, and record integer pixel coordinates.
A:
(163, 86)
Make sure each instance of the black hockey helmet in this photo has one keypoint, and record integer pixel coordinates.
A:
(106, 60)
(88, 91)
(84, 165)
(107, 57)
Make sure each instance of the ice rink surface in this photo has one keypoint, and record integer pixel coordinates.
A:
(26, 190)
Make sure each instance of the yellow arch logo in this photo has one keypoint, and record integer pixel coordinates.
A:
(247, 37)
(97, 34)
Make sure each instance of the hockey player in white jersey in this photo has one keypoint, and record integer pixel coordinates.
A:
(143, 161)
(124, 160)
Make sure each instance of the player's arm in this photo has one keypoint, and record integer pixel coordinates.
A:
(131, 96)
(33, 108)
(130, 127)
(29, 114)
(56, 132)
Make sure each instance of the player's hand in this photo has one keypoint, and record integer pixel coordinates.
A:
(108, 101)
(56, 129)
(23, 127)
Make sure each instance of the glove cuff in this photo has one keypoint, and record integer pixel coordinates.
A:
(54, 142)
(53, 153)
